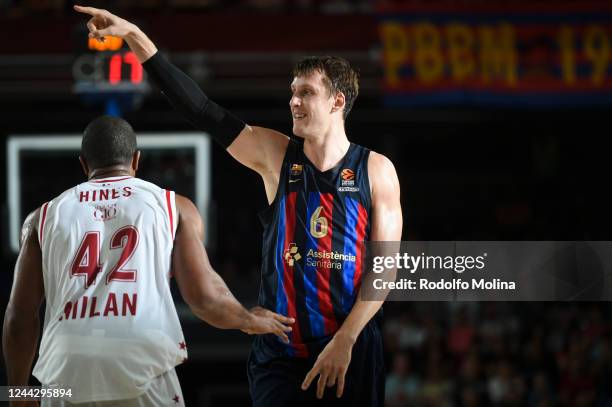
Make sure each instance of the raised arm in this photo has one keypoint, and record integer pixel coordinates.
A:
(21, 329)
(258, 148)
(104, 23)
(205, 291)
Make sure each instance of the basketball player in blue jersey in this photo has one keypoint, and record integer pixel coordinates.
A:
(327, 197)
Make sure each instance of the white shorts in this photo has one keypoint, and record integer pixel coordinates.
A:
(164, 390)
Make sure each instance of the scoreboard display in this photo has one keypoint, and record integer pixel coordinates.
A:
(108, 67)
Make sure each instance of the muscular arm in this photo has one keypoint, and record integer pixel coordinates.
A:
(258, 148)
(386, 227)
(21, 329)
(332, 363)
(204, 290)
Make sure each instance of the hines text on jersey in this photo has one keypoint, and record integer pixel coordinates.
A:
(104, 194)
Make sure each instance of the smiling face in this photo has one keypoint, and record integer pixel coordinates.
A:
(313, 106)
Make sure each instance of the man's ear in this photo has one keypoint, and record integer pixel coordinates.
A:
(339, 102)
(84, 165)
(135, 160)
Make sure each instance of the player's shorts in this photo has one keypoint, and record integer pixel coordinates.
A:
(164, 390)
(277, 382)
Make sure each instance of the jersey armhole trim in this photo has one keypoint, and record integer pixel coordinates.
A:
(171, 207)
(41, 222)
(366, 177)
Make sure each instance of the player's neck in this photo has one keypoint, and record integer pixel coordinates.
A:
(107, 172)
(326, 152)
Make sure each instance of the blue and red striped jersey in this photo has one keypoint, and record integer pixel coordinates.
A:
(313, 248)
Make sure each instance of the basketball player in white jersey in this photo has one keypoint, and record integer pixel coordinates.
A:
(101, 255)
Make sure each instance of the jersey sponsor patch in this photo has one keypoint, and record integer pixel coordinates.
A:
(348, 189)
(348, 181)
(292, 255)
(104, 213)
(348, 174)
(318, 258)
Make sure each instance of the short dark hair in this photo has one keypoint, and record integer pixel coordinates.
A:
(339, 76)
(108, 141)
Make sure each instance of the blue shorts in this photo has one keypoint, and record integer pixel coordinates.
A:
(277, 382)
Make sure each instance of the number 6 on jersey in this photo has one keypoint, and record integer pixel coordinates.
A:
(86, 262)
(318, 224)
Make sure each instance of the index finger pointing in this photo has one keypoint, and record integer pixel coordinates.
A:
(92, 11)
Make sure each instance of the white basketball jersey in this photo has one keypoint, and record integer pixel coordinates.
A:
(110, 323)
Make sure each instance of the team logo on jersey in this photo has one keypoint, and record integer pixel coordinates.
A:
(292, 255)
(105, 212)
(296, 169)
(348, 181)
(348, 174)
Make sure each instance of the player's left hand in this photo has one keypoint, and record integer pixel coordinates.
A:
(331, 366)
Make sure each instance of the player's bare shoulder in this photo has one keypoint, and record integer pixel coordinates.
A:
(382, 174)
(186, 208)
(30, 225)
(189, 217)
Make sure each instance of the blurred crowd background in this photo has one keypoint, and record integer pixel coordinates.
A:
(520, 156)
(498, 354)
